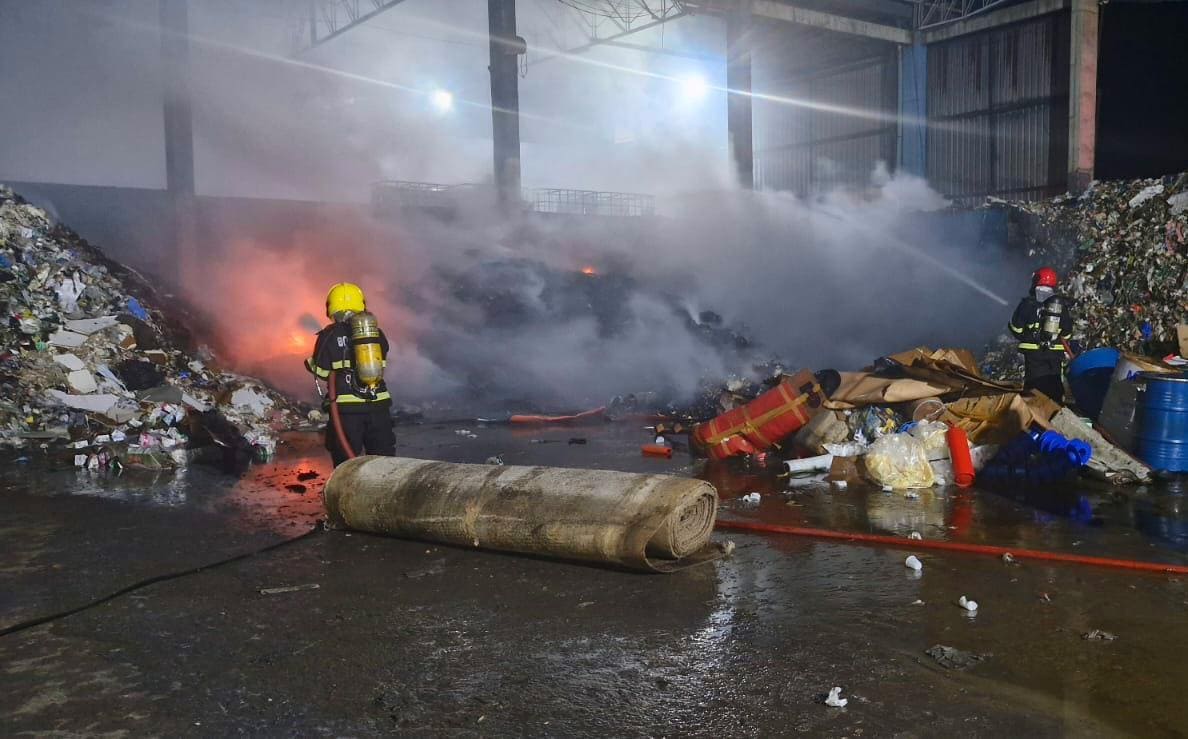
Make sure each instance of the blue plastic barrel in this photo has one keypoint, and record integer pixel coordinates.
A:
(1089, 377)
(1163, 433)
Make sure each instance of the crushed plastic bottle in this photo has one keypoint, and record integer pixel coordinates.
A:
(834, 699)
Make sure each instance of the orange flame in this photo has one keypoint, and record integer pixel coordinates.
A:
(301, 342)
(589, 271)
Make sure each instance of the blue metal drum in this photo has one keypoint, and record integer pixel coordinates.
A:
(1163, 434)
(1089, 378)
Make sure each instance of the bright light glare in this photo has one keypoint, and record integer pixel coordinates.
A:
(694, 88)
(442, 101)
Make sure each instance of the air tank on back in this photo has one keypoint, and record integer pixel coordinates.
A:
(369, 355)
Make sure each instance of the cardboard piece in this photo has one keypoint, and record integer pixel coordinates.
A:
(862, 388)
(851, 470)
(921, 373)
(827, 427)
(997, 419)
(1182, 337)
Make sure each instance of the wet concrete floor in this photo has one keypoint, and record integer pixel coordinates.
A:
(413, 638)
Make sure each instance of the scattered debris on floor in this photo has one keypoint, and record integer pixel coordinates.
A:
(834, 699)
(289, 589)
(969, 605)
(1099, 635)
(953, 659)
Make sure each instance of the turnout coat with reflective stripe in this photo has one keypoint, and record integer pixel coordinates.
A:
(1025, 326)
(333, 352)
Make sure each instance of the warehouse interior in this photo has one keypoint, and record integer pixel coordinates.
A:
(593, 367)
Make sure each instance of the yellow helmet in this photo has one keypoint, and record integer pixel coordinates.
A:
(344, 297)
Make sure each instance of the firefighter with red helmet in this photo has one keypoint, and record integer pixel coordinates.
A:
(1042, 323)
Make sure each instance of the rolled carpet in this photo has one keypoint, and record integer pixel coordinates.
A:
(658, 523)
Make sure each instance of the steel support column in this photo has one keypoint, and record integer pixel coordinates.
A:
(1082, 94)
(505, 98)
(913, 108)
(179, 129)
(738, 97)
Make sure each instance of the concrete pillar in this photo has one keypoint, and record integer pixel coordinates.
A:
(913, 109)
(506, 47)
(739, 117)
(179, 132)
(1082, 94)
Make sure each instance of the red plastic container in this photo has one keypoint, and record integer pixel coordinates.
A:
(963, 470)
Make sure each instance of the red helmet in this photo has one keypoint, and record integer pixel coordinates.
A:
(1044, 277)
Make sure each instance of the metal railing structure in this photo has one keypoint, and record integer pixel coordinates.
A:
(393, 195)
(590, 202)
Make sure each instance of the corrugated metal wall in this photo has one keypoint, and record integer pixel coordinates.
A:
(829, 127)
(998, 111)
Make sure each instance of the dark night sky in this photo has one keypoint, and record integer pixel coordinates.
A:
(1143, 90)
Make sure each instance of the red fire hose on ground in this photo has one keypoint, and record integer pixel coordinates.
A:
(336, 417)
(952, 546)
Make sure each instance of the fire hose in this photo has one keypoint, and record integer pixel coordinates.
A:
(336, 417)
(952, 546)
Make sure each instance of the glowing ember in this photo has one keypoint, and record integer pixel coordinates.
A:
(301, 342)
(589, 271)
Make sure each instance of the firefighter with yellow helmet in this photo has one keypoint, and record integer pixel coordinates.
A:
(350, 355)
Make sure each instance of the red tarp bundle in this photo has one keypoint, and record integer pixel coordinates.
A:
(765, 421)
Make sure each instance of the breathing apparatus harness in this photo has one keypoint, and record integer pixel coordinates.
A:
(1051, 315)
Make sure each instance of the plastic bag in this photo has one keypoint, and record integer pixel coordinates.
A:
(870, 423)
(899, 460)
(932, 435)
(846, 449)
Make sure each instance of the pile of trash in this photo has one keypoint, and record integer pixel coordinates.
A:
(1121, 249)
(917, 419)
(90, 362)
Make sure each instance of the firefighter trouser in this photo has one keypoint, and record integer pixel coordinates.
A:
(1044, 371)
(368, 431)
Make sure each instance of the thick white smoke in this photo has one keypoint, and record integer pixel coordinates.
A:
(482, 307)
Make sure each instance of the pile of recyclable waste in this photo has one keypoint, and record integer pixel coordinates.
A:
(96, 368)
(918, 419)
(1121, 249)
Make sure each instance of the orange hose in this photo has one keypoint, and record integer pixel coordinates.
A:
(952, 546)
(656, 450)
(336, 418)
(520, 419)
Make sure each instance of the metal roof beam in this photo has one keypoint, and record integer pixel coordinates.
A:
(323, 23)
(778, 11)
(991, 19)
